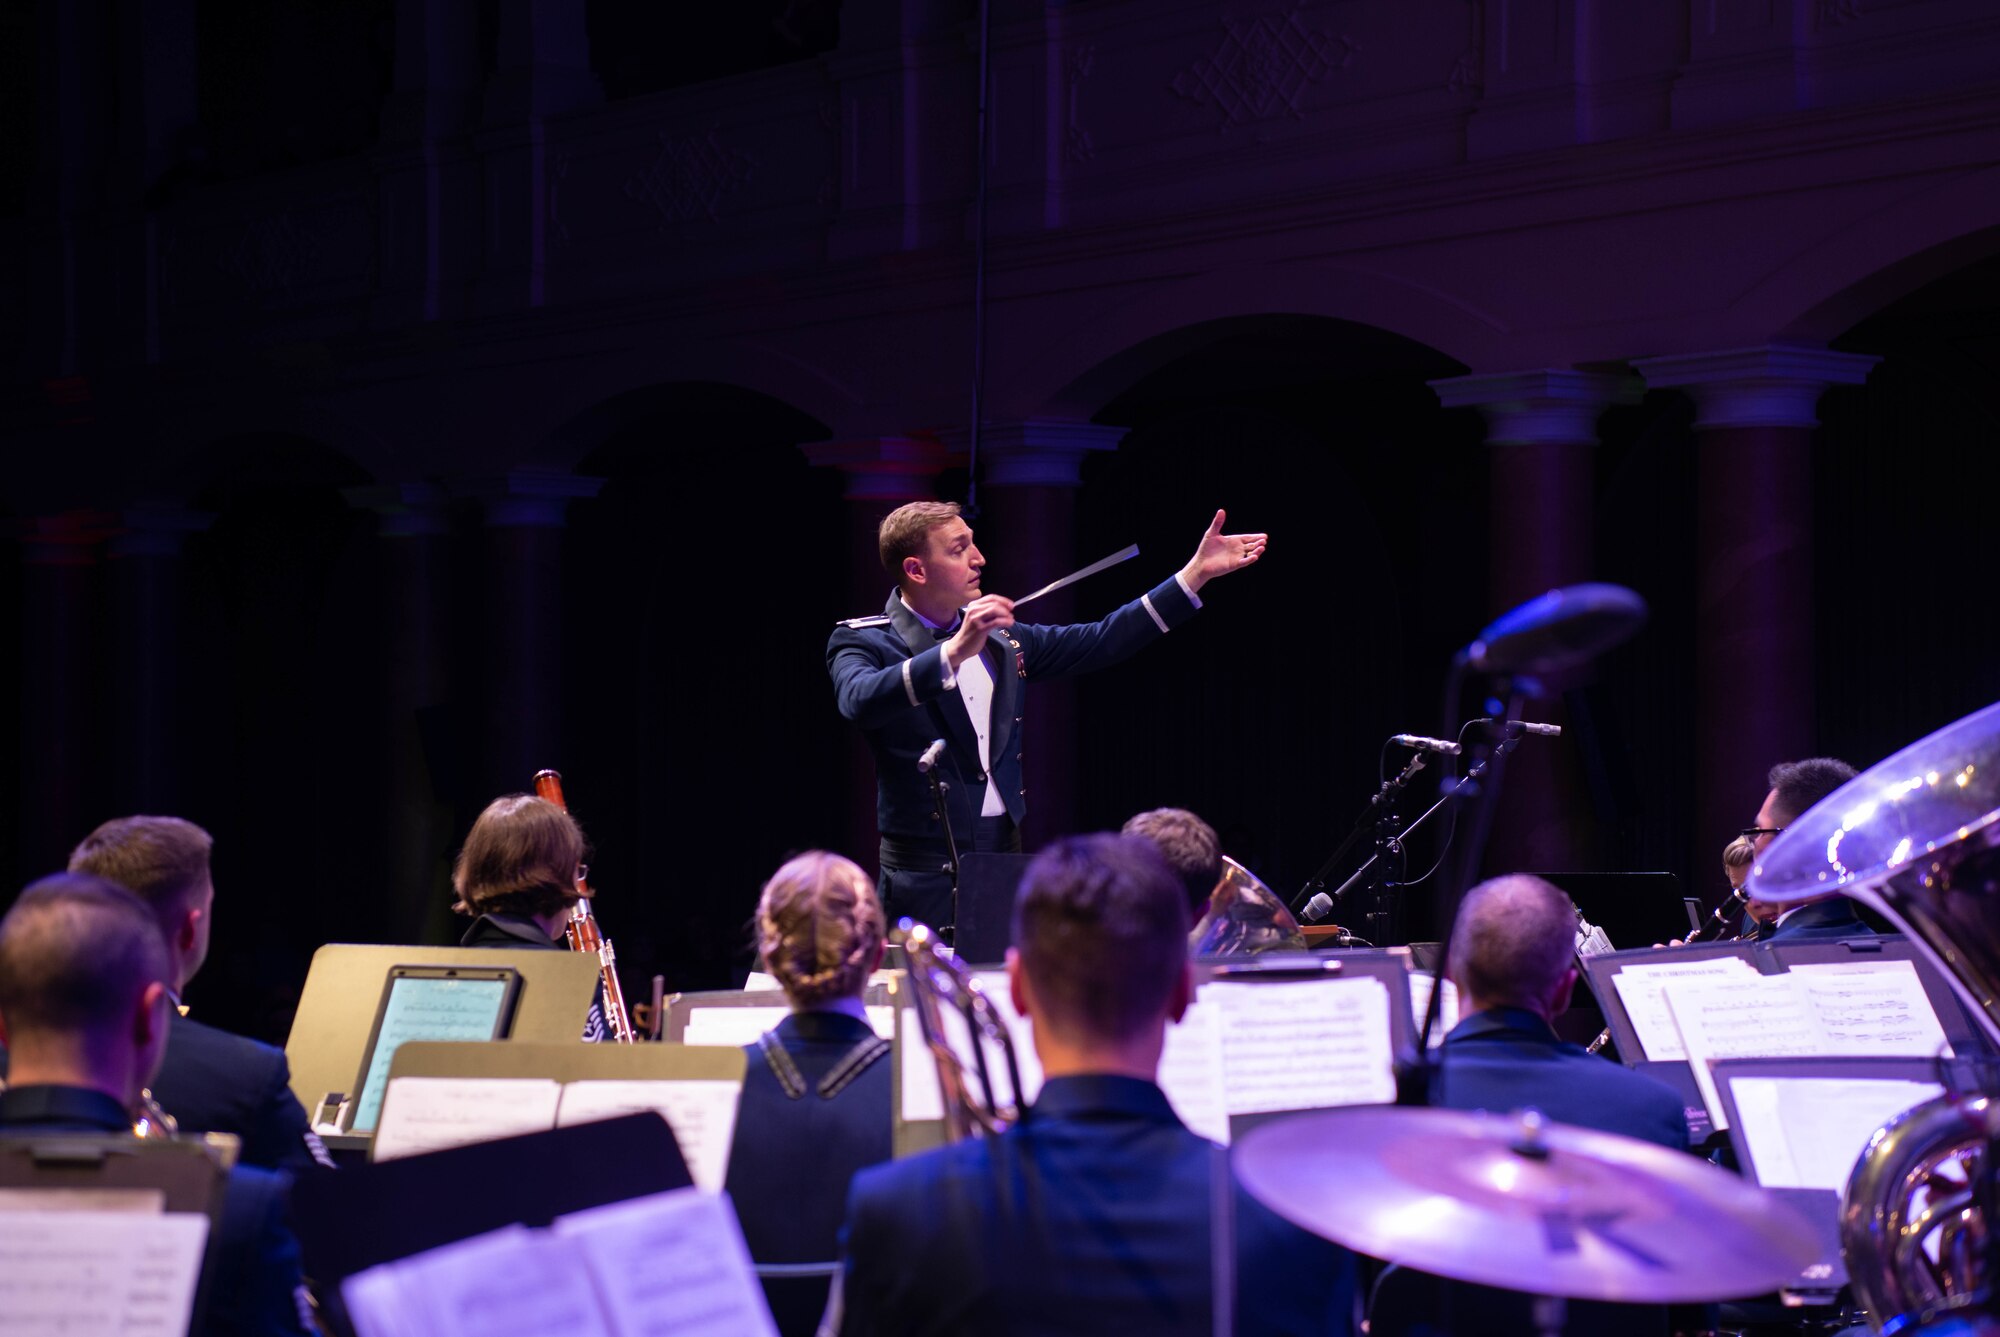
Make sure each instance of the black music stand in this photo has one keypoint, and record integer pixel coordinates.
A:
(987, 884)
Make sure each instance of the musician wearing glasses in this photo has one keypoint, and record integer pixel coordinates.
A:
(85, 1008)
(1795, 787)
(946, 660)
(1096, 1212)
(815, 1106)
(520, 871)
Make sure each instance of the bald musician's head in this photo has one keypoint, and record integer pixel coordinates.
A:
(1099, 961)
(1514, 945)
(83, 987)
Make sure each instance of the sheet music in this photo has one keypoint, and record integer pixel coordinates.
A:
(1808, 1132)
(1639, 988)
(993, 983)
(1757, 1016)
(671, 1265)
(423, 1114)
(1191, 1070)
(1873, 1007)
(1420, 1001)
(98, 1274)
(702, 1114)
(736, 1027)
(1309, 1044)
(425, 1009)
(923, 1097)
(760, 981)
(511, 1282)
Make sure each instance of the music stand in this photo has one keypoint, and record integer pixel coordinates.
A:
(987, 885)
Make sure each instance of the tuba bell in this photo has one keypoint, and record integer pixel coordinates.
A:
(1917, 839)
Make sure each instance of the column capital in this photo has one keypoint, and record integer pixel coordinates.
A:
(69, 538)
(1039, 452)
(1778, 385)
(884, 468)
(527, 498)
(1551, 407)
(157, 529)
(403, 510)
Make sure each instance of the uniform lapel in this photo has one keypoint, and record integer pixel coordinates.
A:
(1004, 658)
(948, 712)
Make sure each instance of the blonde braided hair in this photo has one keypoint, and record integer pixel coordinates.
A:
(819, 928)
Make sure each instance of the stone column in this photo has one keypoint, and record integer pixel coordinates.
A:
(1755, 411)
(523, 634)
(1027, 528)
(148, 650)
(60, 686)
(882, 473)
(1542, 426)
(412, 799)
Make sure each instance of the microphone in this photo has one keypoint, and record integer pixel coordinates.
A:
(1560, 629)
(1318, 908)
(1539, 730)
(928, 762)
(1423, 744)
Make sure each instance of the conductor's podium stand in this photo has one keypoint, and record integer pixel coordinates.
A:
(337, 1011)
(106, 1232)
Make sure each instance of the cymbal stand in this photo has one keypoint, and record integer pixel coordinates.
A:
(1379, 817)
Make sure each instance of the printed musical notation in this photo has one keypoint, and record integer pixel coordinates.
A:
(423, 1114)
(701, 1113)
(669, 1263)
(1808, 1132)
(426, 1009)
(87, 1271)
(1641, 987)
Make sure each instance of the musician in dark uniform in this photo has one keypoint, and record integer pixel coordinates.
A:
(1795, 787)
(1095, 1213)
(1513, 958)
(518, 874)
(945, 660)
(211, 1081)
(86, 1008)
(816, 1097)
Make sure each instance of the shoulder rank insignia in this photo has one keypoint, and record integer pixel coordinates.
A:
(879, 620)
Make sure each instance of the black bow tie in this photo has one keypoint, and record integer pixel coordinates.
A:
(944, 633)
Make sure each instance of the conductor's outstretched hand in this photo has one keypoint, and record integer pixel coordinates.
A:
(1221, 553)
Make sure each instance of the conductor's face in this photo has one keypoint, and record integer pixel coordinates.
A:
(952, 564)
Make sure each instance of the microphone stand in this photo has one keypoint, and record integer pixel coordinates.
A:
(1376, 815)
(939, 785)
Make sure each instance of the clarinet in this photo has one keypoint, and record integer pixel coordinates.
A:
(583, 934)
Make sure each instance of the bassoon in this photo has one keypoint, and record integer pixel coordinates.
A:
(582, 931)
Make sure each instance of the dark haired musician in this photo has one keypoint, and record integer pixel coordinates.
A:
(211, 1081)
(85, 1008)
(947, 660)
(1096, 1212)
(1795, 787)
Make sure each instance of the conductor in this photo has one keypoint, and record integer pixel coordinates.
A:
(946, 660)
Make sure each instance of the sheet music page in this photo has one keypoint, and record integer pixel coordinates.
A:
(1873, 1007)
(1808, 1132)
(1754, 1016)
(1639, 988)
(1301, 1045)
(993, 983)
(423, 1114)
(923, 1097)
(702, 1114)
(1191, 1069)
(89, 1272)
(732, 1026)
(735, 1027)
(1420, 1001)
(511, 1282)
(672, 1265)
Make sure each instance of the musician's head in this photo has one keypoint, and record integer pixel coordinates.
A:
(1190, 847)
(927, 547)
(164, 861)
(1514, 945)
(1795, 787)
(85, 977)
(522, 857)
(819, 929)
(1099, 961)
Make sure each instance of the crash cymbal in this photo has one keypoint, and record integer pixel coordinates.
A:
(1530, 1205)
